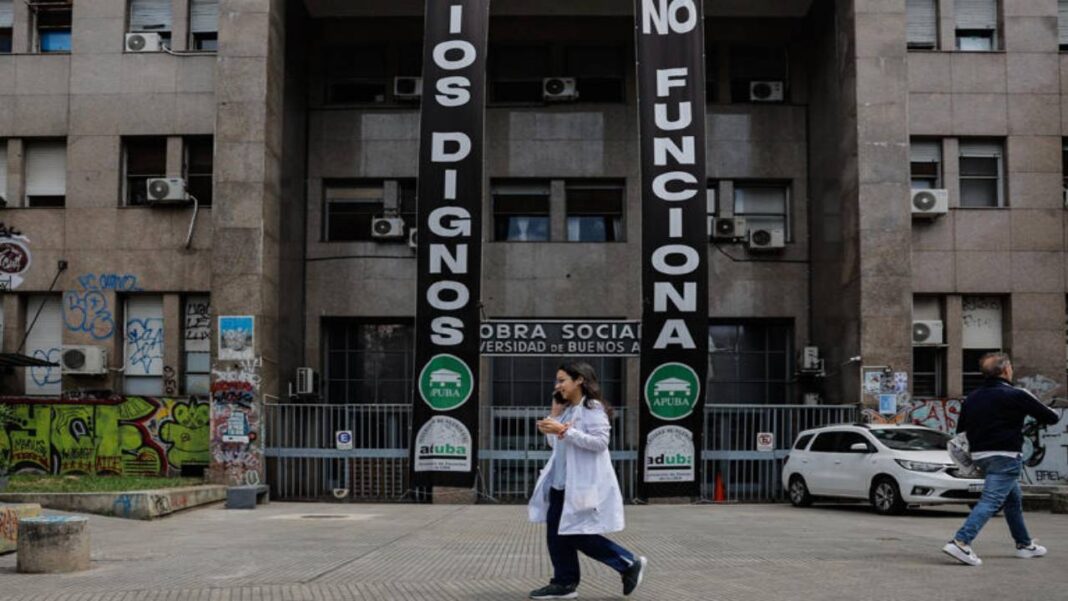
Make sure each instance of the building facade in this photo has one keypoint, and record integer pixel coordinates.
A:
(295, 126)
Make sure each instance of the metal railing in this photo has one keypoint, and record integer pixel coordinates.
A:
(303, 460)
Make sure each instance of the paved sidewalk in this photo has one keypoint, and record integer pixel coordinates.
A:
(305, 552)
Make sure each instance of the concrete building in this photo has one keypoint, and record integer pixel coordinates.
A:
(296, 124)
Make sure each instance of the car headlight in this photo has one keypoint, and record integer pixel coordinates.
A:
(919, 466)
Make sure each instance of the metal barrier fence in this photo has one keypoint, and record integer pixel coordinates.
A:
(303, 460)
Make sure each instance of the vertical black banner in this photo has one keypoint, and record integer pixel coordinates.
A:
(445, 407)
(674, 346)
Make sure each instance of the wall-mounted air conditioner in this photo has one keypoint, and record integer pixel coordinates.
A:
(81, 359)
(166, 190)
(927, 331)
(559, 89)
(766, 91)
(305, 380)
(387, 228)
(413, 237)
(928, 204)
(767, 238)
(728, 228)
(143, 41)
(407, 88)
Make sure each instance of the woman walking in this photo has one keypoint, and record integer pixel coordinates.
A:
(577, 495)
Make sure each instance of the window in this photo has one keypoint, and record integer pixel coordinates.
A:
(826, 442)
(981, 168)
(7, 22)
(598, 72)
(528, 381)
(750, 361)
(368, 363)
(925, 164)
(1062, 24)
(981, 333)
(516, 72)
(802, 442)
(204, 25)
(762, 205)
(921, 19)
(53, 21)
(44, 340)
(521, 211)
(199, 152)
(594, 211)
(977, 25)
(751, 64)
(151, 16)
(928, 360)
(196, 339)
(146, 157)
(711, 70)
(144, 346)
(46, 173)
(350, 209)
(712, 208)
(356, 75)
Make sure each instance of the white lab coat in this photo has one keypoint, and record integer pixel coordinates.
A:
(592, 501)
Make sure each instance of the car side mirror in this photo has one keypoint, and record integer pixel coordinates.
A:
(859, 447)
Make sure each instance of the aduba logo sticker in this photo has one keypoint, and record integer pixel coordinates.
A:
(669, 455)
(443, 445)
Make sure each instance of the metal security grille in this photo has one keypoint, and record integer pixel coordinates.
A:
(304, 463)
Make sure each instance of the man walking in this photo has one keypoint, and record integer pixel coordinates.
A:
(993, 418)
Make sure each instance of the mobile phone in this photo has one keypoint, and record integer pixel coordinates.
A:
(558, 398)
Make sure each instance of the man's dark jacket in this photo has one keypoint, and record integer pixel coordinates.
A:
(993, 416)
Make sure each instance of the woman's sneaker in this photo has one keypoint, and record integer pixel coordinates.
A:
(632, 576)
(962, 553)
(555, 591)
(1032, 550)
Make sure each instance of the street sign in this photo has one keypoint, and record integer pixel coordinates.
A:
(765, 442)
(343, 439)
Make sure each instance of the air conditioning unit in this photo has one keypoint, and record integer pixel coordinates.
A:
(929, 203)
(407, 88)
(728, 228)
(305, 380)
(766, 91)
(166, 190)
(767, 238)
(927, 331)
(143, 41)
(559, 89)
(413, 237)
(387, 227)
(80, 359)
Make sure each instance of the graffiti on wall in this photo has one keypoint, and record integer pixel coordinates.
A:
(235, 421)
(1045, 451)
(144, 346)
(107, 435)
(44, 376)
(15, 257)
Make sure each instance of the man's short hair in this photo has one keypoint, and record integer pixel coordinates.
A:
(993, 365)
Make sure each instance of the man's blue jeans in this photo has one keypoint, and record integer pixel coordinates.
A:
(1002, 486)
(564, 548)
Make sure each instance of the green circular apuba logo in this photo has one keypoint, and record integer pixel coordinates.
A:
(672, 390)
(446, 382)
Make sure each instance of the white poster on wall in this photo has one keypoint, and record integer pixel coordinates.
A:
(981, 322)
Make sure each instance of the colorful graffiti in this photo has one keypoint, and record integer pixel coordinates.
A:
(235, 417)
(1045, 451)
(110, 435)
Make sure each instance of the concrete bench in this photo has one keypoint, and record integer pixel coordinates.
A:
(52, 544)
(246, 497)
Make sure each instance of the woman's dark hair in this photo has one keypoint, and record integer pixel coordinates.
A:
(591, 388)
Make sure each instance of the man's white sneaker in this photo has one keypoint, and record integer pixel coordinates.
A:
(1034, 550)
(962, 553)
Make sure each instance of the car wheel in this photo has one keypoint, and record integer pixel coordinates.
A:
(886, 498)
(799, 495)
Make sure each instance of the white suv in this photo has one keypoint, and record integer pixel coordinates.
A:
(890, 465)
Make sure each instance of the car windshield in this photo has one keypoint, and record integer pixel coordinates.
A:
(912, 439)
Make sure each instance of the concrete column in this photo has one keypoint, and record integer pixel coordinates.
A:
(179, 25)
(557, 211)
(173, 336)
(725, 199)
(947, 25)
(245, 255)
(22, 34)
(16, 169)
(175, 156)
(954, 324)
(951, 170)
(14, 308)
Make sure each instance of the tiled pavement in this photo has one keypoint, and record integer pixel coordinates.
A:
(298, 552)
